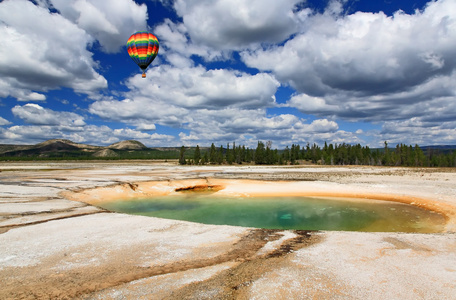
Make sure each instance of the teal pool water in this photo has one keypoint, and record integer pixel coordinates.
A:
(286, 213)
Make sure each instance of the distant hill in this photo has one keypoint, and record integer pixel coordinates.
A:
(66, 149)
(438, 148)
(52, 148)
(429, 149)
(446, 147)
(47, 146)
(128, 145)
(6, 147)
(66, 143)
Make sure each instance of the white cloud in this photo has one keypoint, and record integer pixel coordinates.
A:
(141, 109)
(212, 30)
(433, 100)
(177, 47)
(323, 125)
(213, 104)
(45, 54)
(4, 122)
(254, 121)
(150, 139)
(311, 104)
(235, 24)
(179, 61)
(110, 22)
(416, 131)
(368, 65)
(37, 115)
(169, 95)
(145, 126)
(247, 127)
(198, 87)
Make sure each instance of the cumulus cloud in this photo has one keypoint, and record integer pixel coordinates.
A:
(45, 54)
(177, 47)
(145, 126)
(235, 24)
(247, 127)
(434, 99)
(155, 138)
(4, 122)
(198, 87)
(310, 104)
(322, 125)
(169, 92)
(140, 110)
(417, 131)
(367, 65)
(206, 128)
(109, 22)
(205, 102)
(363, 66)
(256, 120)
(37, 115)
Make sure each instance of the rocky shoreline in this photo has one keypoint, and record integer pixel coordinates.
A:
(54, 247)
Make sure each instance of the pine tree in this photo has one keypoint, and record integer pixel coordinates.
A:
(260, 158)
(182, 156)
(197, 155)
(286, 155)
(220, 155)
(386, 156)
(205, 158)
(229, 154)
(238, 155)
(242, 154)
(295, 151)
(248, 155)
(213, 154)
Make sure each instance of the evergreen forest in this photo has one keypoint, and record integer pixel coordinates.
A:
(332, 154)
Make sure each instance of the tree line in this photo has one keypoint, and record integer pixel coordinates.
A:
(332, 154)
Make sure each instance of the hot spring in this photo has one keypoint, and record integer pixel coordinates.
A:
(285, 212)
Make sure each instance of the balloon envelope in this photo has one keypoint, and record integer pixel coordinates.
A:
(142, 47)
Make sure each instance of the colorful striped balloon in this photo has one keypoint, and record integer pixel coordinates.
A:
(142, 47)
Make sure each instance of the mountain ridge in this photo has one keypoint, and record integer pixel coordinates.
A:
(59, 148)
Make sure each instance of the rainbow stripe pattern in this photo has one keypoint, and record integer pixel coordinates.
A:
(142, 47)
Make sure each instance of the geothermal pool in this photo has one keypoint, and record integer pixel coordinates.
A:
(300, 213)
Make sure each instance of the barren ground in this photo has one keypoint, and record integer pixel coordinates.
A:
(53, 244)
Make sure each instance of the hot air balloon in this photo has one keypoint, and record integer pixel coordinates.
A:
(142, 47)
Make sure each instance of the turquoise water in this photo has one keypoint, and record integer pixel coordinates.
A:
(286, 213)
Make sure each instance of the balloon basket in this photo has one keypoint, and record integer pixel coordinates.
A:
(144, 75)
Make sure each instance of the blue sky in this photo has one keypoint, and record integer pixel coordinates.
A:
(340, 71)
